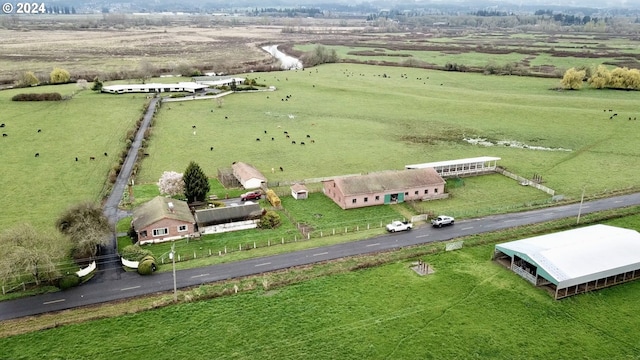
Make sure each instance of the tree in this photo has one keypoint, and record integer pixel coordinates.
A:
(145, 71)
(171, 183)
(87, 228)
(572, 79)
(28, 78)
(97, 85)
(26, 255)
(196, 184)
(319, 55)
(59, 76)
(600, 78)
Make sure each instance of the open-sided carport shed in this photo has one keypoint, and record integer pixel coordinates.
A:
(575, 261)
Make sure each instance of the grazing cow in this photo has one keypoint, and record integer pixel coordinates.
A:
(615, 114)
(37, 154)
(281, 169)
(4, 135)
(193, 126)
(2, 125)
(211, 148)
(105, 154)
(39, 130)
(76, 158)
(312, 141)
(293, 142)
(265, 131)
(288, 136)
(226, 117)
(308, 136)
(301, 142)
(272, 139)
(281, 99)
(286, 132)
(92, 158)
(257, 139)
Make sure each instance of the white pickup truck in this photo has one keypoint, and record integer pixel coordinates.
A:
(399, 226)
(442, 220)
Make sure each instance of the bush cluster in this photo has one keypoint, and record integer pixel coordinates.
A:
(68, 281)
(147, 266)
(135, 253)
(269, 220)
(37, 97)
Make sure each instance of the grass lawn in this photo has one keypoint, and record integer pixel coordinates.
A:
(38, 189)
(361, 121)
(469, 308)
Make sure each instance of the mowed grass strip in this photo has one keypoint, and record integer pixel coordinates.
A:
(469, 307)
(38, 189)
(370, 118)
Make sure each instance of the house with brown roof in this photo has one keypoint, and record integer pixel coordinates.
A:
(163, 219)
(386, 187)
(249, 176)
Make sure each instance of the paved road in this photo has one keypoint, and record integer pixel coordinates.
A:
(131, 284)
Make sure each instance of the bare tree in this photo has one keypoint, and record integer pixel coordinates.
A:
(28, 255)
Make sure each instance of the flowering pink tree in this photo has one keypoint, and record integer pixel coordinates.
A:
(171, 183)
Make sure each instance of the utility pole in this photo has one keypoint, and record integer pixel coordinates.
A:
(580, 208)
(173, 259)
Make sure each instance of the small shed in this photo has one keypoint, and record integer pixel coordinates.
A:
(299, 191)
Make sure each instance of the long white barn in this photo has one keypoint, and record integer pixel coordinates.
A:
(190, 87)
(574, 261)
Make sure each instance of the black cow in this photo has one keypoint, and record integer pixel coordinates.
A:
(308, 136)
(257, 139)
(301, 142)
(272, 139)
(293, 142)
(193, 126)
(92, 158)
(312, 141)
(211, 148)
(281, 169)
(105, 154)
(4, 135)
(39, 130)
(2, 125)
(76, 159)
(37, 154)
(265, 131)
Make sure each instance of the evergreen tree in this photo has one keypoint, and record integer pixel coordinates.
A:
(196, 184)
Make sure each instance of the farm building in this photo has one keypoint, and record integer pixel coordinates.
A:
(163, 219)
(249, 176)
(154, 88)
(228, 218)
(387, 187)
(461, 167)
(575, 261)
(218, 80)
(299, 191)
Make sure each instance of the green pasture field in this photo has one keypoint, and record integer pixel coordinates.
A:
(469, 307)
(361, 121)
(37, 190)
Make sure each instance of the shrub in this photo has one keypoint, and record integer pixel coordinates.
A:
(147, 267)
(269, 220)
(136, 253)
(37, 97)
(69, 281)
(273, 198)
